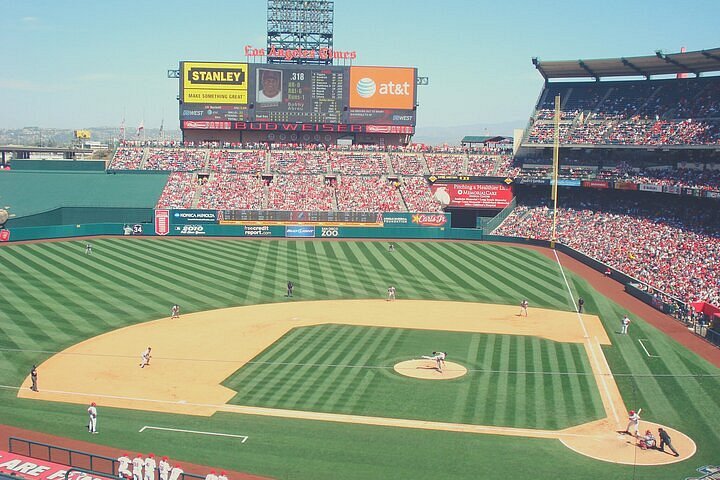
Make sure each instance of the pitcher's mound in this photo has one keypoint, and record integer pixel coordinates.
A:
(427, 370)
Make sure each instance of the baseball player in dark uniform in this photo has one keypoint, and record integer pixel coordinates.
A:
(290, 287)
(33, 377)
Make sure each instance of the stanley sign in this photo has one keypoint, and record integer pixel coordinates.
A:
(214, 83)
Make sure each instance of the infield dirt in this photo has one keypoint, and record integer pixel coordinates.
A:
(207, 347)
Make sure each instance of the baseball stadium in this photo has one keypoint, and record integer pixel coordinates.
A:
(295, 290)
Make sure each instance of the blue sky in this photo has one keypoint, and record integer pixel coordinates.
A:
(79, 64)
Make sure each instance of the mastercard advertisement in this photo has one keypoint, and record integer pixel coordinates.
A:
(382, 87)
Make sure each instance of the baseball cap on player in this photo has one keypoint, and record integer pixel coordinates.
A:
(93, 404)
(165, 458)
(151, 455)
(632, 412)
(212, 471)
(222, 472)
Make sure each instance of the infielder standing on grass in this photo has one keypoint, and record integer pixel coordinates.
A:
(88, 248)
(164, 468)
(92, 412)
(634, 421)
(145, 361)
(150, 466)
(123, 468)
(138, 464)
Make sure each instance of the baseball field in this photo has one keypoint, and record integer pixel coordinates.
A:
(330, 383)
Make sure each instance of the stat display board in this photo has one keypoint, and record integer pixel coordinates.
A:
(277, 217)
(306, 94)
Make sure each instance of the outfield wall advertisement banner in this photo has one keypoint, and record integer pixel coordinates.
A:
(472, 195)
(193, 216)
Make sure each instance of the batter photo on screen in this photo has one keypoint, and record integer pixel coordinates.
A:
(269, 84)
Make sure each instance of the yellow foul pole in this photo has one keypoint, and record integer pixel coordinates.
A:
(556, 162)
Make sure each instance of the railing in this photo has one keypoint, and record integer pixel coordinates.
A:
(76, 459)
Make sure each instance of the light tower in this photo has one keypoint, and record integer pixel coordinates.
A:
(305, 24)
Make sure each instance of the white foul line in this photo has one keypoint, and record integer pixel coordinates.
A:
(148, 427)
(590, 345)
(640, 340)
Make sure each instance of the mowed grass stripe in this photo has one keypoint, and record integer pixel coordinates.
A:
(99, 287)
(323, 340)
(367, 283)
(346, 383)
(481, 381)
(436, 270)
(466, 394)
(517, 412)
(384, 265)
(543, 275)
(314, 374)
(538, 292)
(311, 393)
(453, 266)
(39, 298)
(254, 374)
(469, 257)
(175, 276)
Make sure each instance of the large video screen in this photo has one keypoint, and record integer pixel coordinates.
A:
(232, 94)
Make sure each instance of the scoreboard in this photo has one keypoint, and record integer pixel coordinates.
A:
(225, 95)
(277, 217)
(308, 95)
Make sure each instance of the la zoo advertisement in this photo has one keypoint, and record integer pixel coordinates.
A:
(472, 195)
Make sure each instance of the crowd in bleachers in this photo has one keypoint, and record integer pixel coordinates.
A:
(407, 164)
(417, 195)
(300, 192)
(367, 194)
(179, 191)
(445, 164)
(127, 158)
(238, 161)
(658, 112)
(303, 162)
(175, 159)
(229, 191)
(483, 165)
(358, 164)
(672, 247)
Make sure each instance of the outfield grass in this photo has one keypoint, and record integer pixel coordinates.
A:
(54, 296)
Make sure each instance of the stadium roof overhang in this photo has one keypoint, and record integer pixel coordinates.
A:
(481, 139)
(659, 64)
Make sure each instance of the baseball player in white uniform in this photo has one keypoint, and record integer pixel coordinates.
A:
(439, 358)
(634, 421)
(123, 467)
(150, 466)
(222, 476)
(137, 470)
(176, 472)
(145, 358)
(211, 476)
(625, 323)
(391, 293)
(164, 468)
(92, 413)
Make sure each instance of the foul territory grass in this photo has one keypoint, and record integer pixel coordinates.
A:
(54, 296)
(512, 381)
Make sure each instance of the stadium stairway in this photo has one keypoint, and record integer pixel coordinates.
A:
(423, 160)
(145, 155)
(198, 190)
